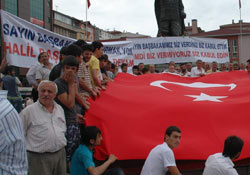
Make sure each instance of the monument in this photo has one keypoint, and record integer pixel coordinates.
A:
(170, 17)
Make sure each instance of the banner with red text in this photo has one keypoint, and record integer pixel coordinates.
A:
(23, 41)
(119, 52)
(134, 112)
(179, 49)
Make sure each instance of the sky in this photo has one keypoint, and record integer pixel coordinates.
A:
(138, 15)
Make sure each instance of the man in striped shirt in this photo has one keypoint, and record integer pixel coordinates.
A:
(84, 75)
(13, 156)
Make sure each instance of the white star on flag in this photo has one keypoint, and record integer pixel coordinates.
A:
(205, 97)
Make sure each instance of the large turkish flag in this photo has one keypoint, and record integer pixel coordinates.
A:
(134, 112)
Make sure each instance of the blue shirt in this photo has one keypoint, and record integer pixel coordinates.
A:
(13, 156)
(9, 83)
(81, 161)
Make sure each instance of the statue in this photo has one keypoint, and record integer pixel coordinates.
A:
(170, 17)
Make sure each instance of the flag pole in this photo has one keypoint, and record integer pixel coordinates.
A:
(86, 29)
(240, 29)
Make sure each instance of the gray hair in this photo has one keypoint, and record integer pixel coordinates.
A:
(47, 81)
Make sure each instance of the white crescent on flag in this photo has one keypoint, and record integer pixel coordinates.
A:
(192, 85)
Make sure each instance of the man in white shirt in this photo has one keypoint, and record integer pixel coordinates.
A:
(44, 129)
(161, 158)
(221, 163)
(31, 75)
(198, 71)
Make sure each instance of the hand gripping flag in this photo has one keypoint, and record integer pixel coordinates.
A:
(134, 112)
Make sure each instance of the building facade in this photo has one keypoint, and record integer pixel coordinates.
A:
(238, 36)
(38, 12)
(72, 27)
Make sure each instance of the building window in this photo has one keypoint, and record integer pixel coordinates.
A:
(63, 19)
(234, 49)
(37, 9)
(11, 6)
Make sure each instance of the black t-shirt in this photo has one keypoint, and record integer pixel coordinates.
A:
(70, 114)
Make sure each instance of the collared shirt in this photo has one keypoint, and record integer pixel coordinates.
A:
(13, 156)
(31, 74)
(217, 164)
(42, 72)
(159, 159)
(44, 131)
(195, 72)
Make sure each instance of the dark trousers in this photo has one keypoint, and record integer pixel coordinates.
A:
(34, 94)
(47, 163)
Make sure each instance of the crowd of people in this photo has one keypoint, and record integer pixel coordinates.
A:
(49, 136)
(187, 69)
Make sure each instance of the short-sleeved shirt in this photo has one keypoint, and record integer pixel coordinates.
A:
(42, 73)
(9, 83)
(217, 164)
(81, 161)
(56, 72)
(159, 159)
(83, 73)
(195, 72)
(70, 114)
(94, 65)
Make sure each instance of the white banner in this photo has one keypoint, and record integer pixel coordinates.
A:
(119, 52)
(179, 49)
(23, 41)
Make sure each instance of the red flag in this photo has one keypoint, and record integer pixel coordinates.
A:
(88, 3)
(134, 112)
(239, 3)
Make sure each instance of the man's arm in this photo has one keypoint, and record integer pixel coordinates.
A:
(100, 169)
(68, 99)
(81, 101)
(31, 76)
(157, 11)
(24, 119)
(86, 88)
(3, 63)
(174, 170)
(97, 81)
(181, 6)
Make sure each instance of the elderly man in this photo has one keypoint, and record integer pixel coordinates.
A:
(44, 129)
(170, 17)
(13, 156)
